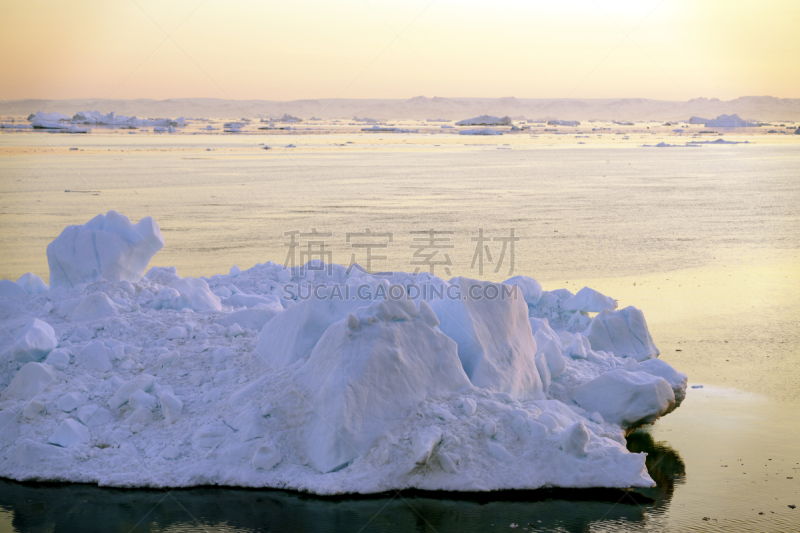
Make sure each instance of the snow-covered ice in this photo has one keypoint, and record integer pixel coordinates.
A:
(248, 379)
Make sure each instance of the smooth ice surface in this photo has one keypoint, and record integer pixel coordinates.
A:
(244, 379)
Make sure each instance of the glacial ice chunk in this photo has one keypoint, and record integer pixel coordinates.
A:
(32, 283)
(96, 356)
(187, 293)
(589, 300)
(495, 341)
(93, 307)
(70, 433)
(32, 379)
(360, 382)
(107, 248)
(627, 399)
(292, 334)
(34, 341)
(531, 289)
(624, 333)
(9, 289)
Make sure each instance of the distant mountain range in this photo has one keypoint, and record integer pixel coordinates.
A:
(756, 108)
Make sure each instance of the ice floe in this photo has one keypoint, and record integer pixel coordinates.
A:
(316, 378)
(485, 120)
(484, 131)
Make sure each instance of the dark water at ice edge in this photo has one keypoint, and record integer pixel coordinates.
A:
(724, 461)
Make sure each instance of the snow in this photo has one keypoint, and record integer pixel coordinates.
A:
(108, 247)
(485, 120)
(240, 380)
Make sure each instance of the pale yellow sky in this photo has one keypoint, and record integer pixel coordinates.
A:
(676, 50)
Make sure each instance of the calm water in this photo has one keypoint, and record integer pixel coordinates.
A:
(705, 240)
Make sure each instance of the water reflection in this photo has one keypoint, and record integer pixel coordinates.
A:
(86, 508)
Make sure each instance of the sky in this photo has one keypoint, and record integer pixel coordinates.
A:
(661, 49)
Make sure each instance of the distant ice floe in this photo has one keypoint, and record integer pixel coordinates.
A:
(725, 121)
(719, 141)
(388, 129)
(485, 120)
(234, 127)
(484, 131)
(662, 144)
(57, 121)
(411, 381)
(563, 123)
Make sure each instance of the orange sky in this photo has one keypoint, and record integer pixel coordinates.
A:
(675, 50)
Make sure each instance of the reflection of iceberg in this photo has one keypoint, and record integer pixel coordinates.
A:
(663, 463)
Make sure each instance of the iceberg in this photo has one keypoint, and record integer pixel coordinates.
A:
(563, 123)
(730, 121)
(108, 247)
(485, 120)
(484, 131)
(326, 381)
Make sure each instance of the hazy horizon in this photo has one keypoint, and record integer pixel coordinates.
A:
(757, 108)
(583, 49)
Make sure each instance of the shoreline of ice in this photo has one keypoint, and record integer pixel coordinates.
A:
(159, 381)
